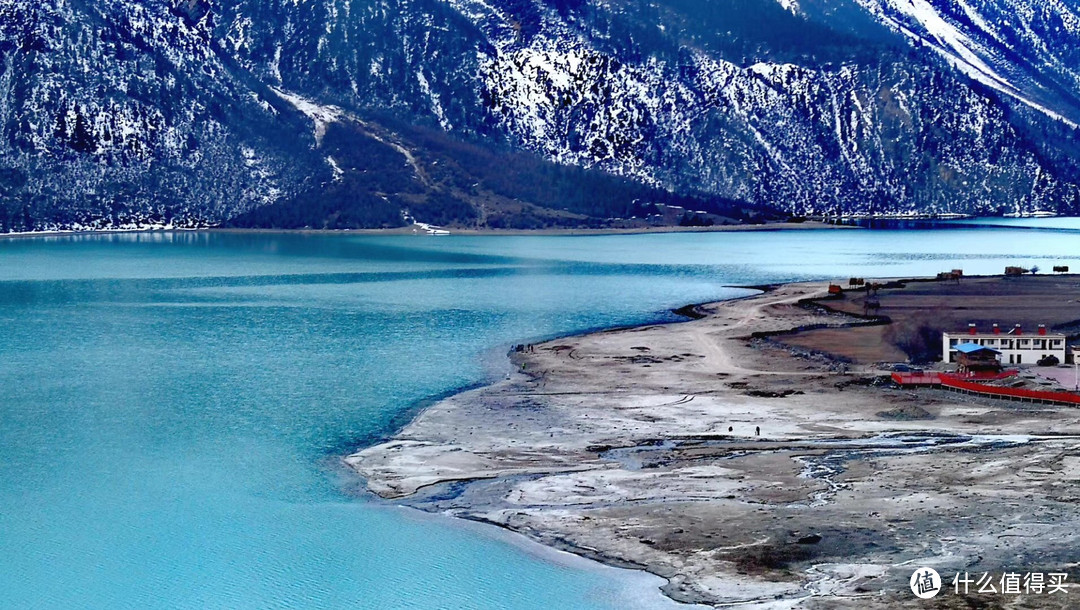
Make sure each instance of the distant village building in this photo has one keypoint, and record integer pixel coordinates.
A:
(955, 275)
(1014, 347)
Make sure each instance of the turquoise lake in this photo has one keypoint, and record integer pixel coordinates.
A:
(175, 405)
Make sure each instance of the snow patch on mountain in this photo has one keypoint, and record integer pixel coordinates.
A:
(338, 172)
(978, 20)
(921, 21)
(791, 5)
(320, 115)
(157, 112)
(433, 99)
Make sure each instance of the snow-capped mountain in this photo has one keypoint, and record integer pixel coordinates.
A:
(1027, 50)
(529, 112)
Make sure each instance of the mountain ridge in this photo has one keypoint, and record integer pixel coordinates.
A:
(206, 112)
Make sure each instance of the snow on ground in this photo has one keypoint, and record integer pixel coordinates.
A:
(319, 114)
(953, 45)
(436, 105)
(338, 172)
(791, 5)
(946, 34)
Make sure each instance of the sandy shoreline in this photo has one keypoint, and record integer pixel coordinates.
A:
(637, 589)
(639, 447)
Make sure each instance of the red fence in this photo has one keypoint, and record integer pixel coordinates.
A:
(916, 378)
(952, 381)
(956, 382)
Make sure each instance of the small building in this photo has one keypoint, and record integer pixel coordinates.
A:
(975, 358)
(1015, 346)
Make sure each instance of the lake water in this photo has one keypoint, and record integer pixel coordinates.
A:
(175, 405)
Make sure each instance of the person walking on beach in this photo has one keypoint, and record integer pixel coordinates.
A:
(757, 430)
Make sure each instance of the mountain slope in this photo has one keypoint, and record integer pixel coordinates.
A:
(856, 124)
(1028, 50)
(345, 113)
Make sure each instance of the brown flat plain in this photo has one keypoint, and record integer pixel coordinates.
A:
(1028, 300)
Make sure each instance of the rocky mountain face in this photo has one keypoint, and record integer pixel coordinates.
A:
(351, 113)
